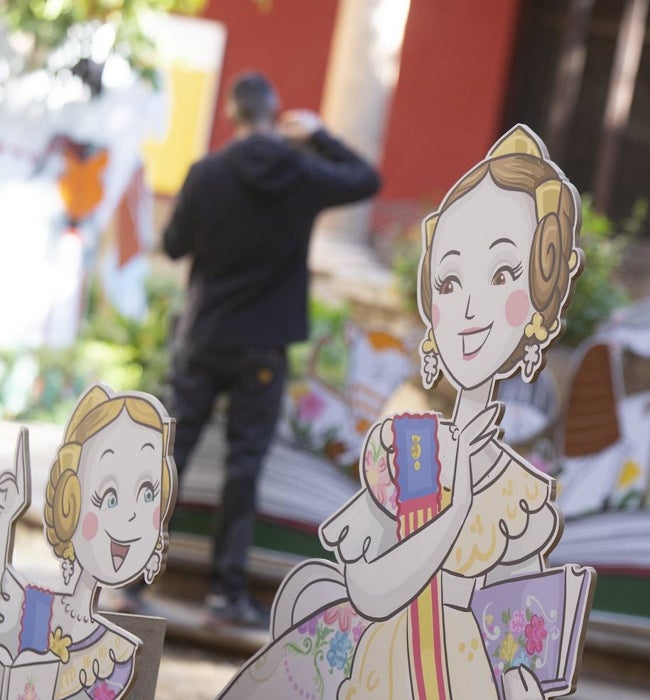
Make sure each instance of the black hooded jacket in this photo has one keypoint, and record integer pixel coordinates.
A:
(245, 215)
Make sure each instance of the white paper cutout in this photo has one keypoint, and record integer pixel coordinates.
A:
(440, 588)
(110, 493)
(334, 422)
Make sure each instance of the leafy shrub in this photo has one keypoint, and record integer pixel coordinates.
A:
(50, 25)
(44, 384)
(597, 290)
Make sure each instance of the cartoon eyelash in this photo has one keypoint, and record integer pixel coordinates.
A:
(438, 282)
(517, 270)
(95, 499)
(155, 487)
(514, 272)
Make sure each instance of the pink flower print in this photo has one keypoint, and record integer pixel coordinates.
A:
(103, 692)
(310, 406)
(517, 622)
(357, 631)
(535, 633)
(343, 613)
(378, 480)
(29, 693)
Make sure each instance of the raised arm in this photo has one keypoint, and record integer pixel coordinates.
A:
(15, 496)
(339, 174)
(380, 585)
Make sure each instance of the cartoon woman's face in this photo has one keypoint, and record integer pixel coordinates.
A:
(480, 273)
(119, 524)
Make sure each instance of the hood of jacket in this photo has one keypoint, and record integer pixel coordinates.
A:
(265, 163)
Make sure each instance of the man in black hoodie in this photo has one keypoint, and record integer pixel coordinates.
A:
(244, 216)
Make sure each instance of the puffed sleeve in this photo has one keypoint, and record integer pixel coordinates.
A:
(366, 526)
(511, 519)
(359, 529)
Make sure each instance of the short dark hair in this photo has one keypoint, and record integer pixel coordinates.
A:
(254, 99)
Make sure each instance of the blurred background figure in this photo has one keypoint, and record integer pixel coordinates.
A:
(244, 217)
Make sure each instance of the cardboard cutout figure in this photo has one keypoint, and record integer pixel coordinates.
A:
(441, 588)
(110, 492)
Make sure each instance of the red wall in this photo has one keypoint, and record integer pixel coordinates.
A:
(447, 107)
(289, 42)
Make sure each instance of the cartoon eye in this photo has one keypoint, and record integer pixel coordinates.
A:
(106, 501)
(447, 285)
(505, 274)
(147, 492)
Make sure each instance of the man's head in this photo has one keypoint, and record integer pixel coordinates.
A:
(253, 101)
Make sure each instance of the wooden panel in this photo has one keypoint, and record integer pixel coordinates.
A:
(591, 421)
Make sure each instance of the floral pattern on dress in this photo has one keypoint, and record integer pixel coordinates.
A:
(378, 476)
(29, 693)
(329, 640)
(102, 692)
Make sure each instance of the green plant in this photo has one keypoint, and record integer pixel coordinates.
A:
(48, 23)
(44, 384)
(406, 261)
(327, 321)
(597, 290)
(134, 352)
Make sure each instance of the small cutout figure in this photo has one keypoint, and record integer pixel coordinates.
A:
(110, 491)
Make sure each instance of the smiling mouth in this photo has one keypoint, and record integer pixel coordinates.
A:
(473, 341)
(119, 550)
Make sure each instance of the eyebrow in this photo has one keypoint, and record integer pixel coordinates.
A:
(147, 444)
(106, 452)
(501, 240)
(449, 252)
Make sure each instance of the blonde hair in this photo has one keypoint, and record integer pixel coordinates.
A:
(554, 257)
(95, 410)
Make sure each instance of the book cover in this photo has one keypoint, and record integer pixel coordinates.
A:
(536, 621)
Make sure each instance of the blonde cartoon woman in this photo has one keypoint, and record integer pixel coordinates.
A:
(109, 494)
(448, 510)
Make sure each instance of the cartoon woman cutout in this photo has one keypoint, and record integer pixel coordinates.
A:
(110, 491)
(393, 618)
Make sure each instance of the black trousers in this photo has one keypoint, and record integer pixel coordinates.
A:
(253, 379)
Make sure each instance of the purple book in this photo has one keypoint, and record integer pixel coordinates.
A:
(536, 621)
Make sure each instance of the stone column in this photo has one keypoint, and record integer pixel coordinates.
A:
(362, 74)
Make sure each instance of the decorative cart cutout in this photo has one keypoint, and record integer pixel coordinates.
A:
(109, 495)
(604, 460)
(441, 587)
(333, 422)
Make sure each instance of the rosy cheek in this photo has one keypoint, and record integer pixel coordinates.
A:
(517, 308)
(435, 316)
(89, 526)
(156, 519)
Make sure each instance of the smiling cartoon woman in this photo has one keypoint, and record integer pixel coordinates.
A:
(107, 499)
(496, 270)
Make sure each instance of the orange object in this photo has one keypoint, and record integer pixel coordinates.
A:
(81, 186)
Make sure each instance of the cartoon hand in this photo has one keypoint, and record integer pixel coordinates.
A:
(521, 684)
(14, 484)
(472, 439)
(153, 567)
